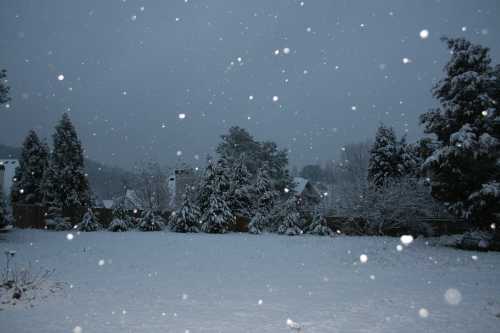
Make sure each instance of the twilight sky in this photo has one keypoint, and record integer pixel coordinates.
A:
(132, 69)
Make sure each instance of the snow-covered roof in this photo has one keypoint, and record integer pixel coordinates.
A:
(300, 184)
(108, 203)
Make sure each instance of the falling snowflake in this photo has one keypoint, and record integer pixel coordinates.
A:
(275, 98)
(423, 313)
(133, 17)
(260, 302)
(406, 239)
(286, 50)
(363, 258)
(182, 116)
(70, 236)
(406, 60)
(250, 97)
(452, 296)
(424, 34)
(60, 77)
(77, 329)
(101, 262)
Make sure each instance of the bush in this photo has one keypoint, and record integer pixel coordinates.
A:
(151, 222)
(89, 223)
(118, 225)
(394, 208)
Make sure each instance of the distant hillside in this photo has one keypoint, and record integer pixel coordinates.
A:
(106, 182)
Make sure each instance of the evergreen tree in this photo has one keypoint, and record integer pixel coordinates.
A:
(187, 217)
(89, 222)
(118, 225)
(384, 157)
(207, 186)
(319, 226)
(4, 88)
(121, 221)
(240, 198)
(291, 219)
(258, 223)
(464, 167)
(410, 160)
(66, 175)
(239, 143)
(151, 222)
(218, 218)
(28, 177)
(265, 197)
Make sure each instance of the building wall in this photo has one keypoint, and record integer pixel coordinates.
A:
(10, 166)
(177, 185)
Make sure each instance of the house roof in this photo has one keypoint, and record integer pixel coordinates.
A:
(300, 184)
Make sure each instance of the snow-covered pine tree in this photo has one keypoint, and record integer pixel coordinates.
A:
(384, 157)
(258, 223)
(319, 226)
(216, 214)
(4, 88)
(26, 188)
(240, 198)
(265, 197)
(207, 186)
(291, 219)
(118, 225)
(66, 169)
(187, 217)
(464, 167)
(218, 217)
(151, 222)
(89, 222)
(410, 161)
(121, 221)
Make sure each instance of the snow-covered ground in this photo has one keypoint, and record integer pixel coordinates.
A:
(167, 282)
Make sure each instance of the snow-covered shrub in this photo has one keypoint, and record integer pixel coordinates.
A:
(89, 222)
(291, 219)
(187, 217)
(257, 223)
(151, 222)
(397, 206)
(319, 226)
(118, 225)
(121, 220)
(55, 221)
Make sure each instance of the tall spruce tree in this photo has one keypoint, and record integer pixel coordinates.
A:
(240, 198)
(265, 197)
(384, 157)
(4, 88)
(27, 186)
(464, 168)
(291, 219)
(65, 175)
(187, 217)
(217, 217)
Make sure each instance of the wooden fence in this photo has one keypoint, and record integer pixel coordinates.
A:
(33, 216)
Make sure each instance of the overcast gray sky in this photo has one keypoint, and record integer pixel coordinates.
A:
(132, 67)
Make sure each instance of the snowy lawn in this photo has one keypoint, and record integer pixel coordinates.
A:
(167, 282)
